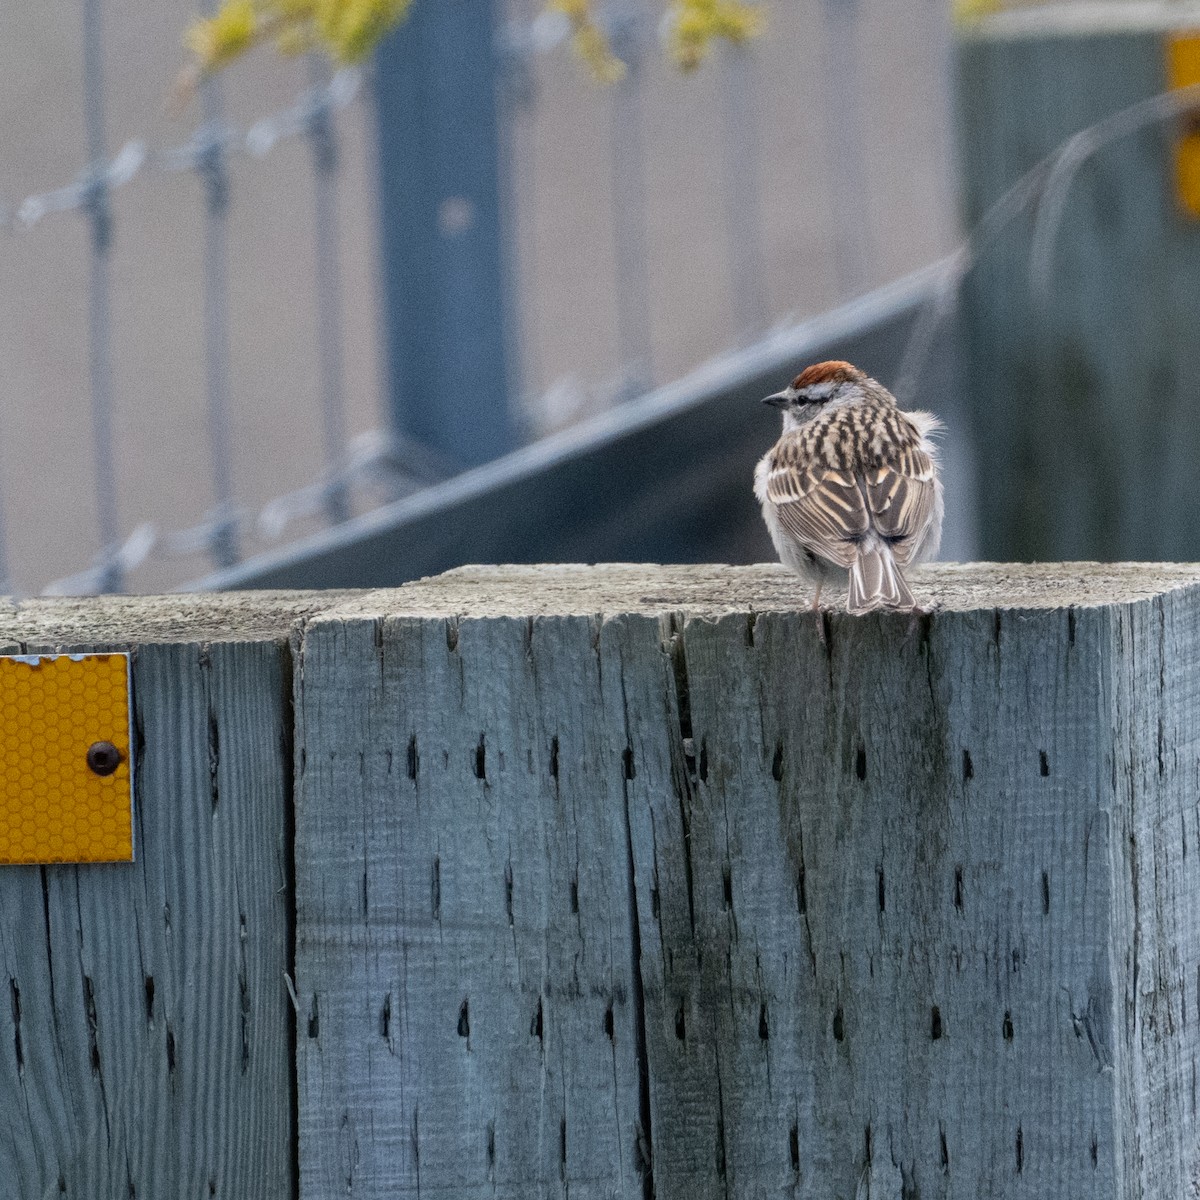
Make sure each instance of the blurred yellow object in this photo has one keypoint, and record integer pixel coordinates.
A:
(1183, 70)
(220, 39)
(589, 41)
(965, 11)
(65, 782)
(697, 23)
(348, 30)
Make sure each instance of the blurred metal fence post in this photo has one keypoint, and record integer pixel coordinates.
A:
(322, 140)
(210, 165)
(846, 153)
(743, 204)
(630, 242)
(1081, 326)
(110, 576)
(445, 290)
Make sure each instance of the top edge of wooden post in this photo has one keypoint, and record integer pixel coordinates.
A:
(1083, 20)
(566, 589)
(713, 590)
(65, 621)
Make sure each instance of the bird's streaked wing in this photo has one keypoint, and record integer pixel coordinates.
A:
(822, 509)
(829, 510)
(901, 496)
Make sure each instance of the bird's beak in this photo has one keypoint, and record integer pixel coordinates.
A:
(778, 400)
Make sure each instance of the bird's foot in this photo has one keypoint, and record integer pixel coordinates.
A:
(918, 617)
(815, 609)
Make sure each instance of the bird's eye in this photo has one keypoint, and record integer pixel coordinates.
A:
(814, 395)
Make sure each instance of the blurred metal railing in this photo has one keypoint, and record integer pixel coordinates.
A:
(665, 478)
(206, 153)
(738, 166)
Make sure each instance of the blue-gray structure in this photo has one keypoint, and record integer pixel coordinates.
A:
(1080, 326)
(444, 282)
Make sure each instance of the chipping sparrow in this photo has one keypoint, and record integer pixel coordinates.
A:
(851, 486)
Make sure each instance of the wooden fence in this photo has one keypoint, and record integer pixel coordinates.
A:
(625, 881)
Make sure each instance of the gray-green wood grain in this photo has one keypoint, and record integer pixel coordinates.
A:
(464, 945)
(1085, 407)
(905, 912)
(624, 881)
(144, 1018)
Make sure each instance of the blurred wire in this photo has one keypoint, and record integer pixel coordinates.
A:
(1068, 158)
(130, 159)
(373, 460)
(1016, 200)
(135, 159)
(123, 559)
(1044, 186)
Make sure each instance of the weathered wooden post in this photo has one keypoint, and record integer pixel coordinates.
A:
(619, 881)
(145, 1024)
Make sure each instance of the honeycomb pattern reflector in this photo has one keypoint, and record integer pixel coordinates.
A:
(54, 807)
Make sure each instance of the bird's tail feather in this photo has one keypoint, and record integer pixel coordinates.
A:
(876, 581)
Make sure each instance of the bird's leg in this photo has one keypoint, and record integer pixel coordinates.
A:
(914, 621)
(816, 610)
(917, 614)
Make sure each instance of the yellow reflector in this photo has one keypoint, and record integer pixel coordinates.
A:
(1183, 70)
(66, 790)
